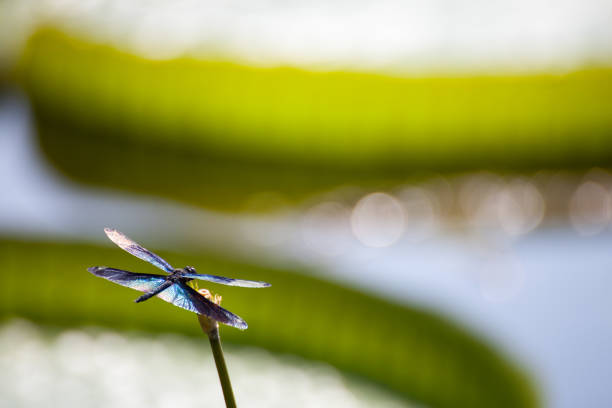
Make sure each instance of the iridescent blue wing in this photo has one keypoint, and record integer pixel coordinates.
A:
(144, 282)
(184, 296)
(228, 281)
(133, 248)
(178, 294)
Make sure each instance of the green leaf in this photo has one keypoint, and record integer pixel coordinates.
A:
(413, 352)
(218, 133)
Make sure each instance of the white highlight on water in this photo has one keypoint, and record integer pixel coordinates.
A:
(102, 368)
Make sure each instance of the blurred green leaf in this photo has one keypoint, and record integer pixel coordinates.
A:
(216, 133)
(412, 352)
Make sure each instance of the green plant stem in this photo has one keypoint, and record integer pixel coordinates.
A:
(215, 344)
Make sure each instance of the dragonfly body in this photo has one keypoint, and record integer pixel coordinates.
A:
(173, 287)
(177, 276)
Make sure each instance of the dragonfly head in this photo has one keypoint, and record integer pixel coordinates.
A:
(189, 269)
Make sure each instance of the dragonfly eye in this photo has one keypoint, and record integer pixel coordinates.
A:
(190, 269)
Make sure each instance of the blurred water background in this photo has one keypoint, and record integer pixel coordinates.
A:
(426, 186)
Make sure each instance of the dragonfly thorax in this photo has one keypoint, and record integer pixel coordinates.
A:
(179, 274)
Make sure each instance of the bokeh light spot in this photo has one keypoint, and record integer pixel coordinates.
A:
(589, 208)
(378, 220)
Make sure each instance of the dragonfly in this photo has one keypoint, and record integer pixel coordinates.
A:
(172, 288)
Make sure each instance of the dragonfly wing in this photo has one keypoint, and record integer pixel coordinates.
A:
(228, 281)
(155, 292)
(133, 248)
(187, 298)
(143, 282)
